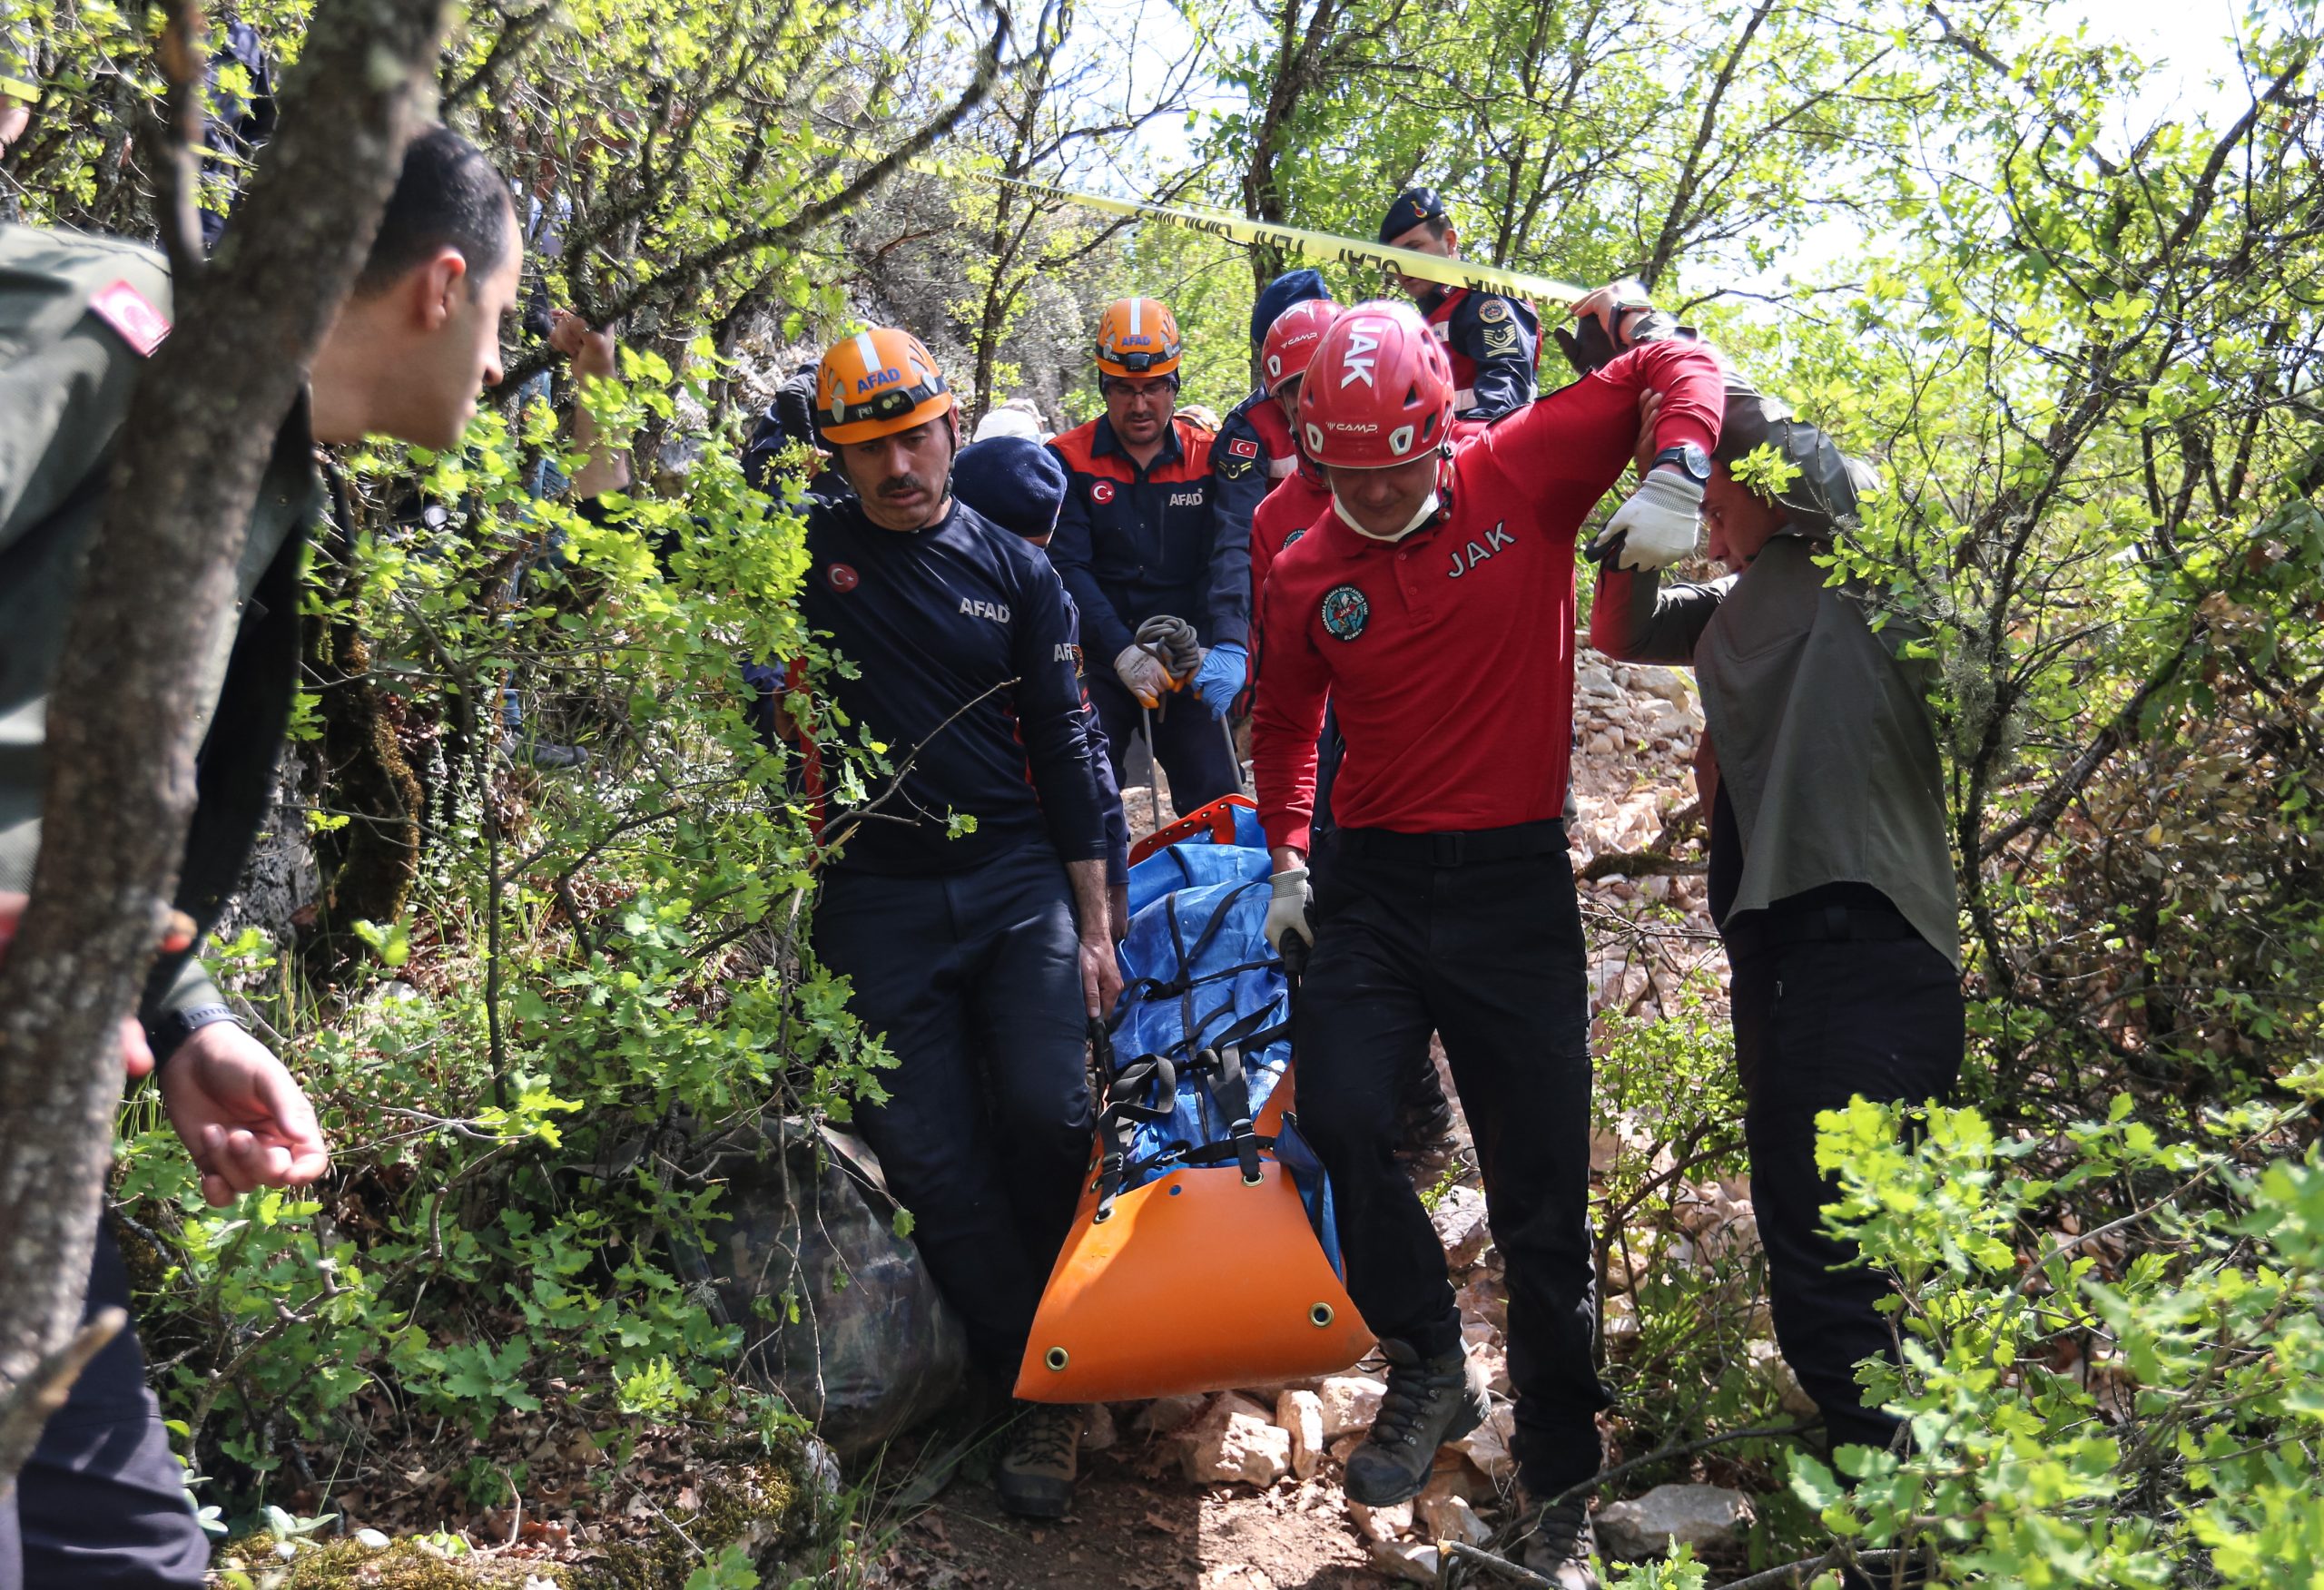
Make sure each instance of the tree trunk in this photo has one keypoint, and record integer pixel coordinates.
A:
(160, 590)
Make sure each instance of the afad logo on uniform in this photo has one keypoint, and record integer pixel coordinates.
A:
(1101, 491)
(1345, 613)
(842, 578)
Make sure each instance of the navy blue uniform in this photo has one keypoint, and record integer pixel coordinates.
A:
(934, 620)
(962, 952)
(1252, 453)
(1132, 542)
(1493, 343)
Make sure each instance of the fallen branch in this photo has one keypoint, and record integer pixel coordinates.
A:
(1799, 1575)
(1680, 1450)
(1492, 1562)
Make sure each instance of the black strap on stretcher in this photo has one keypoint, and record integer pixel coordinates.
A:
(1218, 1061)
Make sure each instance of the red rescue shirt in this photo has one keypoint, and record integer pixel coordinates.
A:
(1282, 518)
(1449, 655)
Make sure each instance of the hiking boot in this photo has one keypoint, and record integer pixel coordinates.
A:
(1559, 1543)
(1044, 1457)
(1430, 1401)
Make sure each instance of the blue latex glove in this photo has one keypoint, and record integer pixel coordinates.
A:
(1224, 667)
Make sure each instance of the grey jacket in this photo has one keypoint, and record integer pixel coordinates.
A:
(65, 379)
(1820, 729)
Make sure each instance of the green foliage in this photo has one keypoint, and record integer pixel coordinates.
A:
(2084, 1413)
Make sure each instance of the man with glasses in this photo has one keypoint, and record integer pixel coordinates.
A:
(1138, 541)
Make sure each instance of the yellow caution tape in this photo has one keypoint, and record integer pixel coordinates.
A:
(1321, 247)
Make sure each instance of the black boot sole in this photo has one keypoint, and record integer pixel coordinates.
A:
(1044, 1503)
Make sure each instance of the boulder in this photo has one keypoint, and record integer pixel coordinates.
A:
(1349, 1402)
(1705, 1516)
(1459, 1218)
(1241, 1447)
(1300, 1415)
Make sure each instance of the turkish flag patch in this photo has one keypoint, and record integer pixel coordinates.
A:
(129, 312)
(1102, 492)
(842, 577)
(1243, 447)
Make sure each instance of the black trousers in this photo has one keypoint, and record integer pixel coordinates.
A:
(1831, 1002)
(975, 980)
(1190, 744)
(1412, 938)
(101, 1504)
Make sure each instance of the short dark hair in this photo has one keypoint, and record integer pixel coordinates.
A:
(448, 196)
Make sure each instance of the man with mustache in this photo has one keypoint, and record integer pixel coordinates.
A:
(1140, 538)
(980, 956)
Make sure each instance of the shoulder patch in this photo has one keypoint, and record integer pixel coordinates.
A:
(1493, 309)
(132, 315)
(1232, 465)
(1243, 447)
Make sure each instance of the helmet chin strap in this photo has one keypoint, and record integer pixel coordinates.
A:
(1426, 511)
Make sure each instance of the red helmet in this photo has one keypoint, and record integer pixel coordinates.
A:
(1291, 340)
(1379, 389)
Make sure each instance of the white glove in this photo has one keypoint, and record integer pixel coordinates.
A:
(1287, 911)
(1657, 526)
(1142, 674)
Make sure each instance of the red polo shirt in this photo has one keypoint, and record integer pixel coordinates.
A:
(1449, 655)
(1280, 519)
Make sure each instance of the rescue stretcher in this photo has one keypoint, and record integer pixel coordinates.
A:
(1204, 1255)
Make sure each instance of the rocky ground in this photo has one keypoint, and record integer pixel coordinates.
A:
(1241, 1490)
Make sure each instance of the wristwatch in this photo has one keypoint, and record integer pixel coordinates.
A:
(1689, 458)
(176, 1026)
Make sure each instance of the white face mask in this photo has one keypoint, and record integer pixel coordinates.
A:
(1421, 515)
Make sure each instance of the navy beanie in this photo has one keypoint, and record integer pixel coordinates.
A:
(1018, 483)
(1293, 286)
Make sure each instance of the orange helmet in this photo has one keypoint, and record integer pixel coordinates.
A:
(1137, 337)
(877, 383)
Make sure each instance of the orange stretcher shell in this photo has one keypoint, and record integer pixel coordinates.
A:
(1197, 1281)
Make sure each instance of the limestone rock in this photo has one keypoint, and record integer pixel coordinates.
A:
(1300, 1415)
(1239, 1448)
(1487, 1446)
(1460, 1221)
(1666, 682)
(1168, 1415)
(1349, 1402)
(1382, 1523)
(1705, 1516)
(1769, 1361)
(1098, 1431)
(1449, 1517)
(1409, 1563)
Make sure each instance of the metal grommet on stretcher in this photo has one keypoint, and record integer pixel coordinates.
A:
(1320, 1316)
(1055, 1357)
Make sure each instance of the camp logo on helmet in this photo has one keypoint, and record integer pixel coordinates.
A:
(842, 577)
(1101, 491)
(1345, 611)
